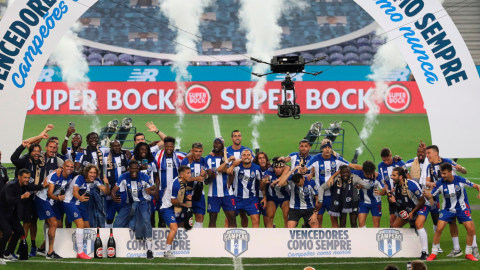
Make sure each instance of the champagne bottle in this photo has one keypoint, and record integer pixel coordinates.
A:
(111, 246)
(98, 250)
(23, 249)
(188, 218)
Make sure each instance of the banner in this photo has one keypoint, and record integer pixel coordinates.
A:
(252, 243)
(29, 31)
(443, 68)
(222, 98)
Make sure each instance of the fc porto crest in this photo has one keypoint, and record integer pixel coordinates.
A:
(89, 237)
(236, 241)
(389, 241)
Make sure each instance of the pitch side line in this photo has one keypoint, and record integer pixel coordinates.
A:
(223, 265)
(237, 264)
(216, 126)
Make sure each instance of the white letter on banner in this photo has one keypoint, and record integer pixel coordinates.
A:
(145, 97)
(164, 99)
(74, 98)
(273, 99)
(48, 100)
(137, 101)
(313, 99)
(114, 96)
(57, 100)
(259, 99)
(248, 97)
(230, 101)
(335, 103)
(89, 99)
(345, 95)
(362, 98)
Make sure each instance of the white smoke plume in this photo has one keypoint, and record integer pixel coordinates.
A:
(69, 57)
(184, 15)
(387, 59)
(260, 21)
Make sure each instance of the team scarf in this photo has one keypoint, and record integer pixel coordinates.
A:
(342, 197)
(111, 167)
(87, 157)
(180, 197)
(415, 170)
(403, 197)
(95, 207)
(38, 167)
(162, 163)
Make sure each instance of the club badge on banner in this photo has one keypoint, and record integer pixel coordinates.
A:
(29, 31)
(442, 65)
(221, 98)
(254, 243)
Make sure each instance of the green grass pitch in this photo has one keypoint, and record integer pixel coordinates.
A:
(401, 133)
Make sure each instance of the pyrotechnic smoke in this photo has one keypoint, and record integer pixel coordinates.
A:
(260, 21)
(387, 59)
(184, 15)
(69, 57)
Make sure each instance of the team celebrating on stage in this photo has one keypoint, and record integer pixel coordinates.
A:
(96, 186)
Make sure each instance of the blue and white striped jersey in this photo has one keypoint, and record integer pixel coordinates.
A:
(196, 168)
(276, 192)
(366, 195)
(238, 153)
(423, 170)
(295, 160)
(303, 197)
(84, 187)
(385, 171)
(454, 194)
(171, 192)
(219, 187)
(244, 180)
(325, 168)
(136, 188)
(436, 169)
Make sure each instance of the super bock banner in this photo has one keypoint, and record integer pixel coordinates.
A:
(443, 68)
(29, 32)
(253, 243)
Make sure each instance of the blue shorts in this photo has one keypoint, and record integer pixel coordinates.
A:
(278, 202)
(75, 212)
(112, 208)
(263, 211)
(227, 203)
(462, 215)
(44, 209)
(168, 215)
(58, 209)
(375, 208)
(436, 208)
(199, 207)
(424, 211)
(327, 200)
(250, 205)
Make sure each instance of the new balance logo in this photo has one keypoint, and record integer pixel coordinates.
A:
(46, 75)
(148, 75)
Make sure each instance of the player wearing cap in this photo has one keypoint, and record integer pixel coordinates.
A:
(277, 196)
(323, 166)
(452, 188)
(245, 176)
(303, 198)
(433, 175)
(410, 205)
(385, 169)
(220, 193)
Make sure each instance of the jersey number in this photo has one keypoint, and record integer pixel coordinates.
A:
(467, 213)
(256, 206)
(233, 201)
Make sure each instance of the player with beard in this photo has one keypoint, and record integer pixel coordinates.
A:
(244, 179)
(385, 169)
(34, 162)
(76, 146)
(136, 212)
(117, 164)
(345, 198)
(417, 167)
(220, 193)
(302, 156)
(142, 153)
(198, 168)
(78, 193)
(433, 175)
(276, 196)
(323, 166)
(455, 201)
(410, 205)
(303, 198)
(92, 154)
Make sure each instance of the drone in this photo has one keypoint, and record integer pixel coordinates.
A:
(288, 64)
